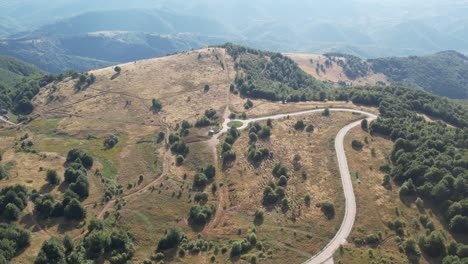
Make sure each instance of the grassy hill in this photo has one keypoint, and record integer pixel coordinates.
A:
(12, 69)
(121, 162)
(444, 73)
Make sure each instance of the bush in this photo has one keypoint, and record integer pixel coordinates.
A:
(74, 210)
(203, 122)
(326, 112)
(111, 141)
(299, 125)
(357, 145)
(171, 239)
(201, 198)
(156, 105)
(200, 181)
(200, 215)
(52, 251)
(248, 104)
(283, 181)
(210, 171)
(309, 128)
(52, 177)
(117, 69)
(328, 209)
(364, 124)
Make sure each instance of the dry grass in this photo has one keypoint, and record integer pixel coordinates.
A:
(377, 205)
(335, 73)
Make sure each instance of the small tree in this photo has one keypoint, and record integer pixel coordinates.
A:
(117, 69)
(52, 178)
(74, 210)
(326, 112)
(206, 88)
(328, 209)
(156, 105)
(364, 125)
(299, 125)
(357, 145)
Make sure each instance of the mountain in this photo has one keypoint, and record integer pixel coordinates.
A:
(443, 73)
(12, 69)
(58, 53)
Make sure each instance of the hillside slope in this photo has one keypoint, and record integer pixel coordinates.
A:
(444, 73)
(12, 69)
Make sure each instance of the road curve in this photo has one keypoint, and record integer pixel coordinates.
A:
(326, 254)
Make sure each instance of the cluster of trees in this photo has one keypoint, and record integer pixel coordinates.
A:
(353, 67)
(202, 178)
(208, 119)
(102, 242)
(178, 147)
(245, 246)
(200, 215)
(84, 79)
(272, 76)
(226, 150)
(13, 199)
(12, 241)
(17, 95)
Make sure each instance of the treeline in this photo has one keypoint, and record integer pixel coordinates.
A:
(272, 76)
(16, 95)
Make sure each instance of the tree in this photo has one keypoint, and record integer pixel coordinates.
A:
(117, 69)
(111, 141)
(328, 209)
(52, 177)
(156, 105)
(210, 171)
(200, 215)
(171, 239)
(11, 212)
(357, 145)
(74, 210)
(248, 104)
(326, 112)
(283, 181)
(81, 186)
(299, 125)
(434, 244)
(206, 88)
(44, 205)
(200, 181)
(52, 251)
(364, 125)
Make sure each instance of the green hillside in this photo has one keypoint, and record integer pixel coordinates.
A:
(444, 73)
(12, 69)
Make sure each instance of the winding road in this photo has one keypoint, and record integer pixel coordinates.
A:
(326, 254)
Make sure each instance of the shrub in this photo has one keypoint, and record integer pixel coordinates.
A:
(283, 181)
(206, 88)
(111, 141)
(203, 122)
(117, 69)
(200, 215)
(180, 159)
(328, 209)
(357, 145)
(299, 125)
(52, 177)
(364, 124)
(309, 128)
(156, 105)
(210, 171)
(171, 239)
(248, 104)
(200, 181)
(201, 198)
(326, 112)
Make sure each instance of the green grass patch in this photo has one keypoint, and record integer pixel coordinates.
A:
(44, 126)
(236, 124)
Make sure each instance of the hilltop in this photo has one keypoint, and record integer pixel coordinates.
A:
(444, 73)
(227, 154)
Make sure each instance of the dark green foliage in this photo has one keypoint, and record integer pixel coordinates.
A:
(264, 132)
(283, 181)
(111, 141)
(52, 177)
(444, 73)
(74, 210)
(180, 147)
(13, 199)
(271, 76)
(328, 209)
(203, 122)
(353, 67)
(12, 240)
(248, 104)
(201, 198)
(279, 169)
(44, 205)
(171, 239)
(117, 69)
(210, 171)
(206, 88)
(80, 156)
(52, 251)
(357, 145)
(210, 114)
(200, 180)
(156, 105)
(309, 128)
(81, 186)
(3, 172)
(257, 155)
(433, 245)
(299, 125)
(272, 194)
(200, 215)
(72, 174)
(364, 124)
(411, 249)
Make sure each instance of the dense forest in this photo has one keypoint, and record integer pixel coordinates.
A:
(444, 73)
(272, 76)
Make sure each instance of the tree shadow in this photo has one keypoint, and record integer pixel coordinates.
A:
(115, 75)
(46, 188)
